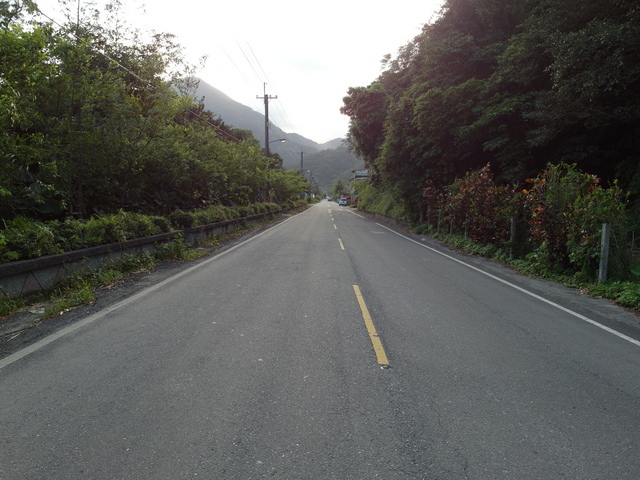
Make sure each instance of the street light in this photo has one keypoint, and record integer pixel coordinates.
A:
(273, 141)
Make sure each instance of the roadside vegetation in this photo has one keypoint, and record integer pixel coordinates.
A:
(552, 229)
(81, 289)
(98, 118)
(508, 114)
(102, 141)
(508, 128)
(24, 238)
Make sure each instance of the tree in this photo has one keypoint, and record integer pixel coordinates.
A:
(515, 83)
(591, 113)
(338, 189)
(98, 117)
(27, 179)
(367, 108)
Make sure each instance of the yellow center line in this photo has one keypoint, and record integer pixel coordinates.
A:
(341, 244)
(381, 356)
(334, 226)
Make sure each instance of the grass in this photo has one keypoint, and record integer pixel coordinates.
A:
(9, 306)
(78, 291)
(82, 294)
(624, 293)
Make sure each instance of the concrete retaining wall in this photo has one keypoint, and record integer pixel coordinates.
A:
(39, 274)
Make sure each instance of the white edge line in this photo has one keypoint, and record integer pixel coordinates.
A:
(107, 310)
(531, 294)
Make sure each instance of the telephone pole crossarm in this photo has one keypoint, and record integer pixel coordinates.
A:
(266, 99)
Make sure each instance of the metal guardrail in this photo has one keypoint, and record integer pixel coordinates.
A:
(22, 277)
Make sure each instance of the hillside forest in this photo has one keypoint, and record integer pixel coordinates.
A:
(513, 125)
(97, 117)
(514, 84)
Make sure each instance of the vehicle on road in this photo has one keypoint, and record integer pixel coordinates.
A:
(342, 202)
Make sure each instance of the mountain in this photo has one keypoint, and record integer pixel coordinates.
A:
(331, 165)
(241, 116)
(331, 144)
(328, 161)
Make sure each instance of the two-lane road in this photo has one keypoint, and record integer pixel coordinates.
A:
(270, 361)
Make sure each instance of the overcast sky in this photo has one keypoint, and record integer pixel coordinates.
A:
(309, 53)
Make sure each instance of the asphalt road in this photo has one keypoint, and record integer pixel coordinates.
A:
(331, 347)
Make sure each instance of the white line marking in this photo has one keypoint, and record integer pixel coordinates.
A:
(527, 292)
(103, 313)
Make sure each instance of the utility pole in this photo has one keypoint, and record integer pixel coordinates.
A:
(266, 99)
(302, 163)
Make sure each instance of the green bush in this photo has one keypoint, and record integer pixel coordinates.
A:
(244, 211)
(626, 294)
(181, 220)
(219, 213)
(267, 207)
(69, 234)
(202, 217)
(566, 211)
(6, 254)
(590, 211)
(135, 225)
(176, 250)
(422, 228)
(118, 228)
(162, 224)
(25, 238)
(381, 201)
(103, 230)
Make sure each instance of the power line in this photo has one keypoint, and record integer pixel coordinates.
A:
(249, 62)
(242, 75)
(279, 107)
(258, 62)
(261, 75)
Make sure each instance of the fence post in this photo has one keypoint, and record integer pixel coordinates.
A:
(604, 252)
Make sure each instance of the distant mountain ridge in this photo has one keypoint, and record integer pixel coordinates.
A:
(237, 115)
(328, 162)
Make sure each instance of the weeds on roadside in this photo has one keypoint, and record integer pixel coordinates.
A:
(176, 250)
(11, 305)
(77, 291)
(79, 294)
(626, 294)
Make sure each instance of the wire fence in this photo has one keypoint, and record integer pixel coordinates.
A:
(622, 254)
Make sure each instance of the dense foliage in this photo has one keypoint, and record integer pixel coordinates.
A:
(23, 238)
(518, 84)
(95, 118)
(556, 223)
